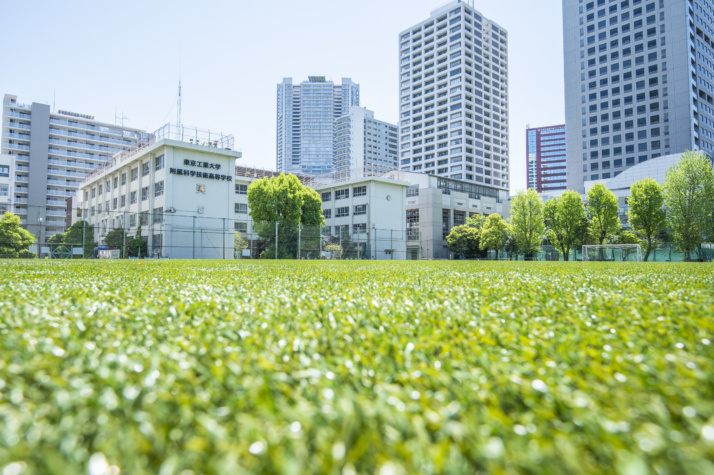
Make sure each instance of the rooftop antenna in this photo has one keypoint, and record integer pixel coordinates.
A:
(122, 118)
(178, 100)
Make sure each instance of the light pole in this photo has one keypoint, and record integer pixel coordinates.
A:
(39, 237)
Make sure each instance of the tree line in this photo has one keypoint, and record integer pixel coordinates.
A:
(682, 208)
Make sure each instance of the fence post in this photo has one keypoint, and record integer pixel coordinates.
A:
(276, 240)
(298, 249)
(193, 235)
(224, 238)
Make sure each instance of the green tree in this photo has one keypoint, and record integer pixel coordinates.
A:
(79, 231)
(56, 239)
(511, 247)
(603, 211)
(138, 247)
(646, 212)
(564, 216)
(689, 200)
(284, 201)
(464, 241)
(115, 239)
(527, 221)
(494, 233)
(625, 237)
(239, 243)
(476, 221)
(14, 240)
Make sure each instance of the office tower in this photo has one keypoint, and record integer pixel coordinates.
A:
(545, 153)
(306, 117)
(454, 97)
(52, 152)
(363, 144)
(638, 83)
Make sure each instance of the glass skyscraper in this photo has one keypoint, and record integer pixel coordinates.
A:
(545, 151)
(306, 115)
(639, 83)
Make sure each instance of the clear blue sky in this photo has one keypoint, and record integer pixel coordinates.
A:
(98, 57)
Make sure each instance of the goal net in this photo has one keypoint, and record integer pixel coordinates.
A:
(613, 253)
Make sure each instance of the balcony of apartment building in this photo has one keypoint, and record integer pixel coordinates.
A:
(16, 136)
(55, 132)
(15, 125)
(21, 189)
(57, 202)
(73, 154)
(55, 172)
(21, 179)
(55, 192)
(96, 128)
(65, 163)
(18, 115)
(104, 149)
(14, 146)
(64, 183)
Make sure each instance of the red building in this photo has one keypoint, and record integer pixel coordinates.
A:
(545, 155)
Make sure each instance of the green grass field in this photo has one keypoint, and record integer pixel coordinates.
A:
(356, 367)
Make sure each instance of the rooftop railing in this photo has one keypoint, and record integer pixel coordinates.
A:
(190, 135)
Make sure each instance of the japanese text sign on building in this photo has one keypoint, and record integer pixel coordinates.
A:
(201, 174)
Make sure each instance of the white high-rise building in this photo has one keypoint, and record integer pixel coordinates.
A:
(51, 153)
(363, 143)
(306, 115)
(454, 97)
(639, 83)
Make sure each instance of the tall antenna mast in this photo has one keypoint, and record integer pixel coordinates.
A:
(178, 101)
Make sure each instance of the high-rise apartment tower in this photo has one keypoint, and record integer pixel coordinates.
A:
(639, 83)
(364, 144)
(453, 82)
(52, 152)
(306, 115)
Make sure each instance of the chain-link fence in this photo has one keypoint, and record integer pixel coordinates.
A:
(179, 234)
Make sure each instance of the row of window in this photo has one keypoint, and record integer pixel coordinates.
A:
(344, 194)
(344, 211)
(120, 202)
(145, 167)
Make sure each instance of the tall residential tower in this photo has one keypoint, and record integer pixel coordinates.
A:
(454, 97)
(52, 152)
(306, 115)
(364, 144)
(639, 83)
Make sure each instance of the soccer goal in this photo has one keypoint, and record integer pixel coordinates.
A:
(613, 253)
